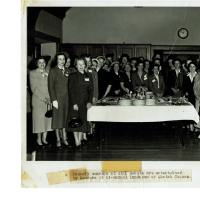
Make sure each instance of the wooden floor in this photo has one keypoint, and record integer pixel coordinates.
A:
(127, 141)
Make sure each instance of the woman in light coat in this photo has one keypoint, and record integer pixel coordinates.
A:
(40, 100)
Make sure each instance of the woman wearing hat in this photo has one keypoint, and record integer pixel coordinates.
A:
(40, 100)
(80, 94)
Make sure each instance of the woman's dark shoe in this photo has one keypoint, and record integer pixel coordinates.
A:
(89, 138)
(58, 145)
(189, 133)
(46, 145)
(84, 141)
(39, 146)
(82, 144)
(93, 131)
(78, 147)
(66, 143)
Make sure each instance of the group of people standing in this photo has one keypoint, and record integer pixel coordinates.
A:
(71, 86)
(69, 92)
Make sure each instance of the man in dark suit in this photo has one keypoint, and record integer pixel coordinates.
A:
(156, 82)
(175, 79)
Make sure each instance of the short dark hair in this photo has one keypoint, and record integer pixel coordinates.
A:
(157, 59)
(155, 65)
(134, 58)
(190, 59)
(84, 60)
(124, 55)
(177, 59)
(139, 62)
(110, 55)
(55, 59)
(193, 64)
(141, 58)
(147, 61)
(33, 63)
(38, 58)
(153, 58)
(86, 56)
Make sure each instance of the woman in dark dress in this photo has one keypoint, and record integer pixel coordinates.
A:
(123, 60)
(80, 94)
(147, 65)
(188, 84)
(58, 91)
(140, 78)
(115, 80)
(104, 83)
(70, 69)
(133, 62)
(125, 80)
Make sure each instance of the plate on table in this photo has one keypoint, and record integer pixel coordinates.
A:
(125, 102)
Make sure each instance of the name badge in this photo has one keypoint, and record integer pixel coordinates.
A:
(86, 79)
(145, 78)
(153, 80)
(66, 74)
(90, 70)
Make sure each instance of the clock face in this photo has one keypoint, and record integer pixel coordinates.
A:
(183, 33)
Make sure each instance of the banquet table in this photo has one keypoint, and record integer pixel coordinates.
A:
(157, 113)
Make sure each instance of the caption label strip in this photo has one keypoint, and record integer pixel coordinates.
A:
(98, 176)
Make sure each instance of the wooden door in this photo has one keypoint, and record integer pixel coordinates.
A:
(128, 49)
(142, 50)
(111, 49)
(96, 50)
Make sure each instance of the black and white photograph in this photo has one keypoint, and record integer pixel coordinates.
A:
(112, 83)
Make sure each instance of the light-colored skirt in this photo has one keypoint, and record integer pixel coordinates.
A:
(40, 122)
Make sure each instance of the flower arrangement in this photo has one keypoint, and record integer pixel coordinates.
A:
(140, 90)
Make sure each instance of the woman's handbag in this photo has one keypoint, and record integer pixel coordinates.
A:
(48, 114)
(75, 122)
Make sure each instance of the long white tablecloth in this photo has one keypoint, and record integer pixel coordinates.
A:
(142, 113)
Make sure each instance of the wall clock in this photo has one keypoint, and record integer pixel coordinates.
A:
(183, 33)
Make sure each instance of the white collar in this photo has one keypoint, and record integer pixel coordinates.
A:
(63, 68)
(189, 74)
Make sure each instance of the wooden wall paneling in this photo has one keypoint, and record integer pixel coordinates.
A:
(97, 50)
(128, 49)
(111, 49)
(119, 51)
(70, 49)
(81, 49)
(143, 50)
(174, 48)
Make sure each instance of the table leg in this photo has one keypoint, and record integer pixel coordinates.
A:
(100, 127)
(180, 133)
(104, 129)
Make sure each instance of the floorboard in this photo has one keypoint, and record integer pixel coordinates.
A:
(136, 141)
